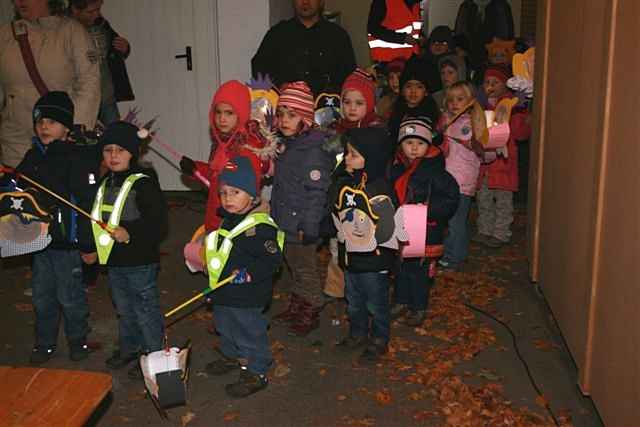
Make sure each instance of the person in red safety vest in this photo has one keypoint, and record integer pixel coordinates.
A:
(394, 29)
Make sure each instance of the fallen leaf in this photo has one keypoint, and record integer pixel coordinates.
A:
(341, 397)
(281, 371)
(24, 308)
(384, 397)
(187, 418)
(231, 416)
(322, 372)
(542, 401)
(486, 374)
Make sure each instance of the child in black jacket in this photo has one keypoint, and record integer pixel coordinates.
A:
(247, 246)
(419, 177)
(130, 201)
(57, 270)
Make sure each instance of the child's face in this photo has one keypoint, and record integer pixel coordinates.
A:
(225, 118)
(234, 200)
(49, 130)
(457, 101)
(289, 122)
(414, 93)
(439, 48)
(414, 148)
(116, 158)
(449, 75)
(493, 87)
(354, 106)
(353, 160)
(394, 82)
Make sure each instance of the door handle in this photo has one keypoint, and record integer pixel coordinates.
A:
(187, 56)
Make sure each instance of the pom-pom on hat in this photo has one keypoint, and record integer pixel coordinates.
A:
(297, 96)
(54, 105)
(123, 134)
(416, 127)
(499, 72)
(239, 172)
(363, 82)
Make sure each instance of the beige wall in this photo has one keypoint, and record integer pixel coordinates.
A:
(353, 17)
(585, 203)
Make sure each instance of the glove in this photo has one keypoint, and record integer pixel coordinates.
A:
(187, 166)
(242, 276)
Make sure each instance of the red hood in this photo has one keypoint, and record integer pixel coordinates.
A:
(238, 96)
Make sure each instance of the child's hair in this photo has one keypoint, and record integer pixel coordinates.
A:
(478, 120)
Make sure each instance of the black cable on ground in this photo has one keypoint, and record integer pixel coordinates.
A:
(524, 362)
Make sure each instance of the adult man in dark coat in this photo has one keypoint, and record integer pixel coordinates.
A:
(306, 47)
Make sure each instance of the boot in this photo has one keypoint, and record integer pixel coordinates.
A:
(78, 350)
(222, 365)
(289, 315)
(307, 320)
(247, 384)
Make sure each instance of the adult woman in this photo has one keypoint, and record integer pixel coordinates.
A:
(65, 59)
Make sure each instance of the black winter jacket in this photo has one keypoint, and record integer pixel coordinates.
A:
(256, 251)
(115, 59)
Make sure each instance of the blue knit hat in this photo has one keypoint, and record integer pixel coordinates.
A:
(239, 173)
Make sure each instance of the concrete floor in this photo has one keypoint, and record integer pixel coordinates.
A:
(459, 369)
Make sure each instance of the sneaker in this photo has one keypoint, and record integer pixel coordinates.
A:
(495, 243)
(28, 292)
(40, 355)
(373, 352)
(117, 361)
(480, 238)
(222, 366)
(398, 310)
(78, 352)
(448, 265)
(351, 343)
(135, 373)
(247, 384)
(416, 318)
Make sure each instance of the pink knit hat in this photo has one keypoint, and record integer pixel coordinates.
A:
(364, 83)
(297, 96)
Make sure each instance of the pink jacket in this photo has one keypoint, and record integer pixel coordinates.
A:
(461, 162)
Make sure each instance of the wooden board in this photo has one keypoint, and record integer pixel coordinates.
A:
(49, 397)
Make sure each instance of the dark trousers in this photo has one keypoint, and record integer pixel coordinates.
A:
(135, 294)
(305, 274)
(57, 286)
(243, 335)
(413, 284)
(368, 293)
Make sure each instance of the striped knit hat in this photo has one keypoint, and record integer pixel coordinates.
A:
(415, 127)
(297, 96)
(364, 83)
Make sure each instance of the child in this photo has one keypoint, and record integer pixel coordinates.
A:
(232, 134)
(131, 203)
(419, 176)
(498, 178)
(366, 273)
(249, 246)
(414, 99)
(301, 179)
(384, 106)
(452, 70)
(463, 155)
(358, 102)
(57, 270)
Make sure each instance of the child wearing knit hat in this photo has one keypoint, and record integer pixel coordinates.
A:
(358, 102)
(394, 69)
(300, 183)
(419, 177)
(131, 203)
(254, 256)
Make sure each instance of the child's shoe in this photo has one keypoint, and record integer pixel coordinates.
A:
(374, 350)
(416, 318)
(480, 238)
(117, 360)
(135, 373)
(247, 384)
(222, 366)
(445, 265)
(495, 243)
(290, 314)
(307, 320)
(398, 310)
(351, 343)
(40, 355)
(78, 351)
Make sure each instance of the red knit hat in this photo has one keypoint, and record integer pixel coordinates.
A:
(297, 96)
(364, 83)
(235, 94)
(499, 72)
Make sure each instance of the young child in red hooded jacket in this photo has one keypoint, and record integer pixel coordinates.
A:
(358, 102)
(233, 133)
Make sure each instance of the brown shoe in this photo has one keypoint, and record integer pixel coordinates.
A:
(307, 320)
(247, 384)
(292, 311)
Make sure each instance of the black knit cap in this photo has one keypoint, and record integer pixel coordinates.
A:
(373, 145)
(123, 134)
(55, 105)
(414, 70)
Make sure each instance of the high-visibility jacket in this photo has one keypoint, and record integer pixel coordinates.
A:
(402, 20)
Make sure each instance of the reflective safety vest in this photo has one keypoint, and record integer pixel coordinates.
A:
(104, 241)
(218, 254)
(402, 20)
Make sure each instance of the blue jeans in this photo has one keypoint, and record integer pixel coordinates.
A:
(108, 113)
(243, 335)
(57, 284)
(368, 293)
(413, 284)
(456, 244)
(137, 300)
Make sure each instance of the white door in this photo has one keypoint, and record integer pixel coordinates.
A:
(158, 31)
